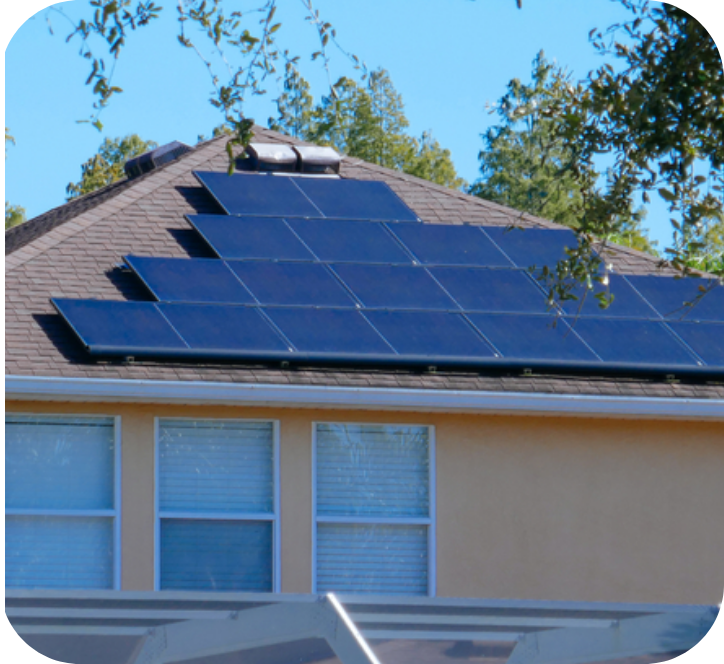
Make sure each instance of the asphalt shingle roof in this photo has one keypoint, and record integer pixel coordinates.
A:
(73, 251)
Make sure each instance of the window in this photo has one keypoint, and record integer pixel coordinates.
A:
(374, 500)
(62, 521)
(217, 526)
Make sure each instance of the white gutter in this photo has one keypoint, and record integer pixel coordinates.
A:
(356, 398)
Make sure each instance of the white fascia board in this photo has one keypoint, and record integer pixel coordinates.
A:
(33, 388)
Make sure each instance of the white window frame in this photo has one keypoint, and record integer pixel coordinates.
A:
(221, 516)
(429, 521)
(115, 513)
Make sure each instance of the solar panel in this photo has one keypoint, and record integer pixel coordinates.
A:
(640, 343)
(119, 327)
(521, 337)
(301, 284)
(350, 241)
(355, 199)
(443, 244)
(250, 237)
(256, 194)
(528, 247)
(687, 298)
(394, 286)
(224, 329)
(189, 280)
(491, 290)
(705, 339)
(431, 334)
(627, 303)
(329, 332)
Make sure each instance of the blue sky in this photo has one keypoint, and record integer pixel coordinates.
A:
(447, 58)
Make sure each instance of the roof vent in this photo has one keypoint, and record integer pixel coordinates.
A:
(271, 157)
(150, 161)
(317, 159)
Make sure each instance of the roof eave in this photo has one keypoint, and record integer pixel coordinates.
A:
(33, 388)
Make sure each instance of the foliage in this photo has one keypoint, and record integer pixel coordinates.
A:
(14, 214)
(660, 117)
(242, 42)
(106, 166)
(364, 121)
(524, 163)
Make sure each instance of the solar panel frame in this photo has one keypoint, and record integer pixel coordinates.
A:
(492, 290)
(166, 278)
(627, 301)
(112, 338)
(706, 305)
(429, 244)
(258, 194)
(343, 198)
(292, 284)
(641, 343)
(350, 241)
(514, 335)
(197, 325)
(422, 331)
(237, 238)
(531, 247)
(706, 339)
(394, 287)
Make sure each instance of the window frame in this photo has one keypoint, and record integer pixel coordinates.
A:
(115, 513)
(275, 518)
(430, 521)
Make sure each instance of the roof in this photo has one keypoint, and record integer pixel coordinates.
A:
(73, 251)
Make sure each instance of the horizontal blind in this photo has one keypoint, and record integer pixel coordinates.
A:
(58, 552)
(363, 558)
(59, 463)
(372, 470)
(216, 555)
(216, 466)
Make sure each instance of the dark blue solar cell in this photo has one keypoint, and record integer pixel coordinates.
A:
(497, 290)
(257, 194)
(119, 327)
(189, 280)
(432, 334)
(687, 298)
(224, 329)
(292, 283)
(445, 244)
(349, 241)
(528, 247)
(355, 199)
(545, 337)
(250, 237)
(705, 339)
(329, 331)
(640, 343)
(394, 286)
(627, 303)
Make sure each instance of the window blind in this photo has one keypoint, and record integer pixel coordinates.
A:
(59, 501)
(372, 508)
(222, 471)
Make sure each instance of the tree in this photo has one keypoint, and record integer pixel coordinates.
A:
(524, 162)
(14, 214)
(106, 166)
(660, 117)
(367, 122)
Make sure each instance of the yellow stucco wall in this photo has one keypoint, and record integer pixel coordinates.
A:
(527, 507)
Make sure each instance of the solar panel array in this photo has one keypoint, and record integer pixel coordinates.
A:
(302, 275)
